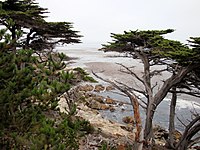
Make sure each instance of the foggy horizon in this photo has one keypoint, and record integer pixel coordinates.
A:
(97, 19)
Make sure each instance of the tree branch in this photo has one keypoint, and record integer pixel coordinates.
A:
(173, 80)
(157, 72)
(190, 130)
(131, 73)
(192, 93)
(126, 90)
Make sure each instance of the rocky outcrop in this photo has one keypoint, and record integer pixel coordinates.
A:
(86, 88)
(99, 88)
(128, 119)
(160, 134)
(110, 101)
(109, 88)
(97, 105)
(95, 88)
(90, 112)
(111, 133)
(106, 127)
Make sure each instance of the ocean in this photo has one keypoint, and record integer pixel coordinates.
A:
(104, 64)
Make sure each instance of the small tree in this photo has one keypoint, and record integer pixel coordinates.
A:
(153, 49)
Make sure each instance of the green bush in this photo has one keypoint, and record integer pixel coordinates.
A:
(29, 92)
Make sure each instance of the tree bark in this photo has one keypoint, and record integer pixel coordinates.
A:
(138, 135)
(171, 118)
(154, 101)
(148, 131)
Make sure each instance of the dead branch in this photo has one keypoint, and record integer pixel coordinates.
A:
(191, 93)
(155, 85)
(181, 122)
(131, 88)
(131, 72)
(135, 90)
(157, 72)
(126, 90)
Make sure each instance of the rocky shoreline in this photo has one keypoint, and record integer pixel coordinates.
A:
(107, 132)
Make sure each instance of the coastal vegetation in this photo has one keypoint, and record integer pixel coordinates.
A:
(181, 61)
(34, 78)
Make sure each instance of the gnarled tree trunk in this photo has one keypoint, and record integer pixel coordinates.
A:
(138, 135)
(171, 119)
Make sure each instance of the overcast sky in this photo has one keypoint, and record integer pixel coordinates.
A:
(96, 19)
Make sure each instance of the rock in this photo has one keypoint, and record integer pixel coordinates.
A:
(128, 120)
(177, 135)
(87, 95)
(86, 88)
(104, 107)
(95, 98)
(122, 109)
(112, 109)
(99, 88)
(120, 103)
(110, 101)
(109, 88)
(99, 98)
(160, 134)
(62, 105)
(97, 105)
(94, 104)
(107, 128)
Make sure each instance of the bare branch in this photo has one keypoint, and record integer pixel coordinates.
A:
(131, 73)
(155, 85)
(192, 93)
(125, 89)
(157, 72)
(131, 88)
(181, 122)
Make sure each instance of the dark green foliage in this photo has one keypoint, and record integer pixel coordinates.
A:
(27, 16)
(133, 39)
(84, 75)
(155, 46)
(61, 135)
(26, 93)
(152, 48)
(32, 78)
